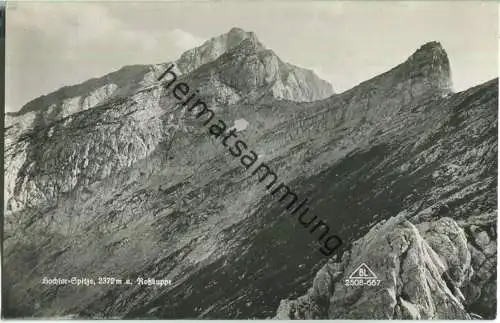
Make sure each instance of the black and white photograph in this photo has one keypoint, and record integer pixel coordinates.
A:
(250, 160)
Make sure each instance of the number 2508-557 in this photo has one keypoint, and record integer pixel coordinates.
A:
(362, 282)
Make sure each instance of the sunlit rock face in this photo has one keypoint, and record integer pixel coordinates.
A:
(114, 177)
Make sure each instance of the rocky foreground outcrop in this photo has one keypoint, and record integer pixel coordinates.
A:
(421, 268)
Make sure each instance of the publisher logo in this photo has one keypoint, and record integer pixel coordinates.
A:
(362, 276)
(363, 272)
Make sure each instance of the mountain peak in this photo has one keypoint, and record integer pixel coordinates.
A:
(244, 65)
(237, 35)
(431, 45)
(215, 47)
(431, 62)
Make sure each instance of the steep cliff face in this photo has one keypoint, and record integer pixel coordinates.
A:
(252, 66)
(135, 187)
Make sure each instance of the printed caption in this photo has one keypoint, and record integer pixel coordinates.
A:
(99, 281)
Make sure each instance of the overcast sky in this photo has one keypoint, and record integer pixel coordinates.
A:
(50, 45)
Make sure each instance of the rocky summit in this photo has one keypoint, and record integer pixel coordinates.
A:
(119, 204)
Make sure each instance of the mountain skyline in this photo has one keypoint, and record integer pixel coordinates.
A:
(61, 60)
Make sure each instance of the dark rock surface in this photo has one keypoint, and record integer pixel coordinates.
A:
(131, 186)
